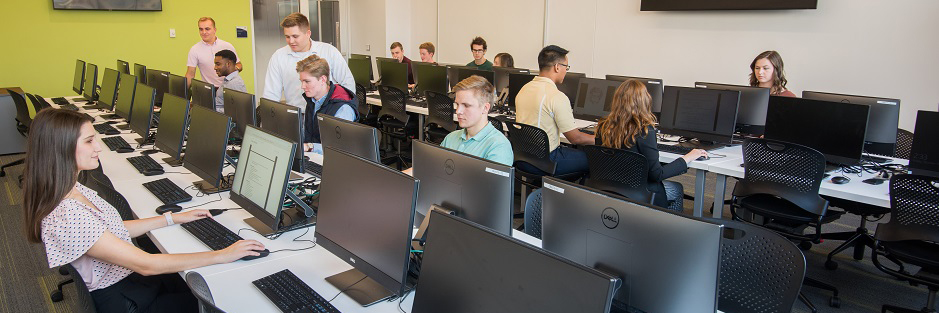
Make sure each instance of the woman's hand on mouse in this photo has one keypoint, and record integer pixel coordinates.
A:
(189, 216)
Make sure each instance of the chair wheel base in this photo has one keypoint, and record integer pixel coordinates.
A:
(805, 245)
(831, 265)
(56, 296)
(834, 302)
(3, 174)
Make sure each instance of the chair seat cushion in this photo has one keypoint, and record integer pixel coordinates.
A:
(856, 208)
(916, 252)
(783, 210)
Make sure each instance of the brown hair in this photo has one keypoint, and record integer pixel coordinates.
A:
(396, 45)
(313, 65)
(779, 75)
(429, 47)
(296, 19)
(51, 168)
(630, 116)
(479, 41)
(480, 87)
(206, 18)
(505, 59)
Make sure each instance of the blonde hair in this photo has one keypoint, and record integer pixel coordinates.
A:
(429, 47)
(206, 18)
(313, 65)
(481, 88)
(295, 19)
(630, 116)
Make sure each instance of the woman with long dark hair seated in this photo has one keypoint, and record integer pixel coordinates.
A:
(79, 228)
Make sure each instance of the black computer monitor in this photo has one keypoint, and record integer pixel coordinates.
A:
(261, 175)
(570, 84)
(882, 124)
(142, 111)
(126, 88)
(123, 67)
(393, 74)
(430, 77)
(286, 121)
(474, 188)
(501, 76)
(655, 86)
(177, 86)
(242, 109)
(208, 130)
(924, 154)
(361, 70)
(709, 116)
(594, 98)
(836, 129)
(171, 132)
(91, 81)
(160, 81)
(453, 73)
(365, 217)
(380, 61)
(654, 252)
(466, 72)
(108, 94)
(79, 77)
(203, 94)
(468, 268)
(751, 112)
(140, 71)
(350, 137)
(371, 75)
(516, 82)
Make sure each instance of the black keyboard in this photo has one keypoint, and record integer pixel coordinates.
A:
(676, 149)
(590, 130)
(69, 106)
(312, 168)
(106, 129)
(167, 191)
(211, 233)
(143, 163)
(290, 294)
(60, 101)
(115, 142)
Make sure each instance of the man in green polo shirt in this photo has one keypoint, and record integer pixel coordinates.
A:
(478, 47)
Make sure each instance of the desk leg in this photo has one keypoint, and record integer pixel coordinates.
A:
(420, 127)
(720, 188)
(700, 176)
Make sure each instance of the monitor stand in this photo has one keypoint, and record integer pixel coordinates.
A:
(125, 126)
(173, 161)
(875, 159)
(703, 145)
(364, 290)
(207, 188)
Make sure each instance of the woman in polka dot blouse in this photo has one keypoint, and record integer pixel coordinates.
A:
(78, 227)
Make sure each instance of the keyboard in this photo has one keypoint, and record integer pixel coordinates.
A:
(676, 149)
(60, 101)
(312, 168)
(417, 102)
(115, 142)
(290, 294)
(106, 129)
(69, 106)
(589, 129)
(143, 163)
(167, 191)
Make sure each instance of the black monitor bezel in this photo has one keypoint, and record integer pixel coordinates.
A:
(94, 82)
(383, 72)
(80, 76)
(465, 72)
(137, 124)
(252, 208)
(171, 146)
(651, 83)
(138, 69)
(880, 108)
(212, 178)
(214, 91)
(356, 128)
(853, 159)
(133, 91)
(123, 65)
(746, 92)
(117, 82)
(280, 111)
(422, 68)
(170, 88)
(723, 139)
(240, 113)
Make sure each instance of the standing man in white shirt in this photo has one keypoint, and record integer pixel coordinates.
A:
(282, 81)
(202, 54)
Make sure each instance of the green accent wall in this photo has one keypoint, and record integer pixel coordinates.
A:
(40, 44)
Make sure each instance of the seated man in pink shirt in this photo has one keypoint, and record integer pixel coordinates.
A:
(202, 54)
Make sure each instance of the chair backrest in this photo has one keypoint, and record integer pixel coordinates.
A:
(533, 214)
(530, 145)
(201, 290)
(22, 111)
(904, 144)
(760, 271)
(497, 124)
(914, 201)
(440, 111)
(393, 103)
(35, 103)
(618, 171)
(42, 103)
(363, 107)
(790, 171)
(86, 303)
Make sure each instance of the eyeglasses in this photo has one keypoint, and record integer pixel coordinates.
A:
(566, 67)
(478, 51)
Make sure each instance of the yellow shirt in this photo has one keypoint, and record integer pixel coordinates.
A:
(540, 103)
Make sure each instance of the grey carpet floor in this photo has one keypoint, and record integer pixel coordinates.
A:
(25, 279)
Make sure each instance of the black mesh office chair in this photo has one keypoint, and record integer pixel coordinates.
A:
(904, 144)
(85, 303)
(200, 289)
(760, 271)
(532, 225)
(439, 121)
(497, 124)
(396, 123)
(530, 147)
(860, 238)
(912, 235)
(367, 115)
(780, 190)
(618, 171)
(23, 120)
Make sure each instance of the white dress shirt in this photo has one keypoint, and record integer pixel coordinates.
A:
(283, 81)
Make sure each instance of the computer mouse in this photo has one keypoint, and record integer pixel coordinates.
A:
(168, 208)
(111, 132)
(153, 171)
(216, 212)
(124, 150)
(703, 158)
(149, 152)
(264, 253)
(840, 180)
(111, 122)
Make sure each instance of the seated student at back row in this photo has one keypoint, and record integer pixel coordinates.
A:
(427, 51)
(766, 71)
(631, 126)
(478, 47)
(322, 96)
(79, 228)
(397, 53)
(231, 79)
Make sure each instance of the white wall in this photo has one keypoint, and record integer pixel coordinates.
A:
(423, 26)
(367, 22)
(513, 26)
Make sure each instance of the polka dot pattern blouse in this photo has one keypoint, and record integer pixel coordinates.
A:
(73, 227)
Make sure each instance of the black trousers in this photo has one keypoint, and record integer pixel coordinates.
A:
(142, 294)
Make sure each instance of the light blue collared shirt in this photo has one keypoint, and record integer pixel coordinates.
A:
(234, 82)
(489, 144)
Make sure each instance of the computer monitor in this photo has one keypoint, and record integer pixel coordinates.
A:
(430, 77)
(350, 137)
(79, 77)
(242, 109)
(126, 88)
(652, 251)
(171, 132)
(836, 129)
(140, 71)
(108, 94)
(160, 81)
(453, 74)
(882, 124)
(177, 86)
(704, 114)
(123, 67)
(466, 72)
(371, 75)
(365, 217)
(751, 112)
(516, 82)
(570, 84)
(594, 98)
(209, 131)
(924, 154)
(142, 112)
(203, 94)
(394, 74)
(261, 175)
(468, 268)
(474, 188)
(380, 61)
(91, 81)
(361, 70)
(655, 86)
(286, 121)
(501, 76)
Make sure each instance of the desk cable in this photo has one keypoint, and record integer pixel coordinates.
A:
(405, 296)
(199, 194)
(296, 239)
(347, 288)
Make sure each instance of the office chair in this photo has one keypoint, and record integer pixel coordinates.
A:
(779, 190)
(395, 122)
(200, 289)
(860, 237)
(530, 146)
(912, 235)
(85, 303)
(366, 114)
(497, 123)
(904, 144)
(439, 121)
(760, 271)
(23, 120)
(618, 171)
(532, 225)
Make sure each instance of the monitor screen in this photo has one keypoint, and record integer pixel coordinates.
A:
(655, 86)
(141, 72)
(142, 110)
(79, 77)
(203, 94)
(171, 131)
(123, 66)
(652, 251)
(286, 121)
(126, 88)
(91, 80)
(468, 268)
(570, 84)
(708, 115)
(594, 98)
(501, 77)
(242, 109)
(108, 88)
(393, 74)
(516, 82)
(350, 137)
(160, 81)
(361, 70)
(371, 74)
(177, 86)
(751, 112)
(430, 77)
(261, 174)
(210, 130)
(924, 154)
(810, 123)
(882, 124)
(466, 72)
